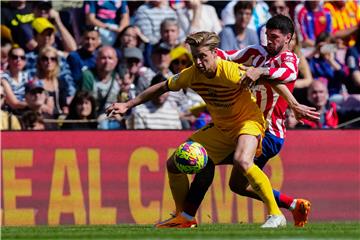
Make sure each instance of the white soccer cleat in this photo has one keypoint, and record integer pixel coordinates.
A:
(274, 221)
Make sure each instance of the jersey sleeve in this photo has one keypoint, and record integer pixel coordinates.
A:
(287, 70)
(181, 80)
(239, 56)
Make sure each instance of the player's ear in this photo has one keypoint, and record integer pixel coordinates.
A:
(288, 38)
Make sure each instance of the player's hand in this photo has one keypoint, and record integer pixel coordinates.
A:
(250, 77)
(116, 108)
(304, 112)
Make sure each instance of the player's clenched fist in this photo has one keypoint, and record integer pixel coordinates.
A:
(116, 108)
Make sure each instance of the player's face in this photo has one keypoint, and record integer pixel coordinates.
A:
(204, 60)
(276, 41)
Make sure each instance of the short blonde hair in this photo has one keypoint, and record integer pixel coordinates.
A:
(205, 39)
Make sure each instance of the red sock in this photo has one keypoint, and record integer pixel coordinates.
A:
(285, 200)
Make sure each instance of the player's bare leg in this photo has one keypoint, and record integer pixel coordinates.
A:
(243, 164)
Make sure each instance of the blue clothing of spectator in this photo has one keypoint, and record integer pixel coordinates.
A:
(321, 69)
(17, 87)
(229, 41)
(64, 76)
(352, 60)
(78, 61)
(106, 11)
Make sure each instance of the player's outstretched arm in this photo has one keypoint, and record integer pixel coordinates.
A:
(150, 93)
(301, 111)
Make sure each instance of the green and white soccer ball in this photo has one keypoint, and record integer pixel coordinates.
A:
(190, 157)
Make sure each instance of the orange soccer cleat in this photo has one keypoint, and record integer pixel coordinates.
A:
(301, 212)
(177, 222)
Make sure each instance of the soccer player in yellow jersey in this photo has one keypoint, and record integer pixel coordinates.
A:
(238, 125)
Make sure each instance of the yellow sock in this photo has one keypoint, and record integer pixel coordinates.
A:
(262, 186)
(179, 185)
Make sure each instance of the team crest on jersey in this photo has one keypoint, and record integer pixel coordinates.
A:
(176, 77)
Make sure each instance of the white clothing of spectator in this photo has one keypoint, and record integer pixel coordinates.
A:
(149, 16)
(259, 17)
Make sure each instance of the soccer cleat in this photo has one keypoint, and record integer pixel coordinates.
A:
(274, 221)
(301, 212)
(177, 222)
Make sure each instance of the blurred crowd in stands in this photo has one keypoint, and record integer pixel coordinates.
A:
(64, 62)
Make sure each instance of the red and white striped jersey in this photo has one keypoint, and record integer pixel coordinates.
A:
(282, 67)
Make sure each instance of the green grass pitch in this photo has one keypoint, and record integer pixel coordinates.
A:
(321, 230)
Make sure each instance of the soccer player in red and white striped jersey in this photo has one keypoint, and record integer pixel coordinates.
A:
(273, 62)
(281, 67)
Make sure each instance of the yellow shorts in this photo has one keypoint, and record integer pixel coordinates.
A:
(221, 143)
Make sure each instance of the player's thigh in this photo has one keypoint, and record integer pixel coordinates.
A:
(217, 144)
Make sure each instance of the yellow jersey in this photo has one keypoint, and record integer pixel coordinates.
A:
(228, 105)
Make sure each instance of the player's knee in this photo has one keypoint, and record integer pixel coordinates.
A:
(241, 162)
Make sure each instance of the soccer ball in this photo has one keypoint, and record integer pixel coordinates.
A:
(190, 157)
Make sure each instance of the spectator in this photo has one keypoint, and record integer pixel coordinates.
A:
(127, 86)
(84, 57)
(31, 120)
(169, 37)
(10, 98)
(64, 40)
(194, 16)
(110, 16)
(5, 48)
(83, 108)
(158, 113)
(326, 68)
(38, 101)
(8, 121)
(103, 85)
(149, 16)
(276, 7)
(169, 32)
(180, 59)
(17, 17)
(238, 35)
(311, 21)
(353, 63)
(259, 16)
(47, 76)
(305, 77)
(318, 96)
(45, 36)
(345, 17)
(139, 74)
(16, 76)
(160, 59)
(130, 37)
